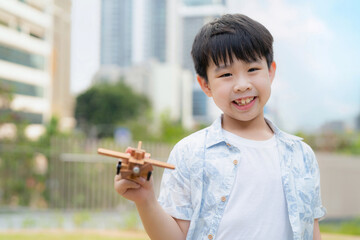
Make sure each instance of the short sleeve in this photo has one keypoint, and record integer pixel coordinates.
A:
(318, 209)
(175, 192)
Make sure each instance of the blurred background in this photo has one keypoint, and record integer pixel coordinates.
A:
(76, 75)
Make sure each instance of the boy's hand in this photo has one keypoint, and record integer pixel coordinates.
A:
(136, 192)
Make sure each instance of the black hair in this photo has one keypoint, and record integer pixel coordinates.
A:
(231, 34)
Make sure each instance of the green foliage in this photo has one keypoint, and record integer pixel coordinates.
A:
(51, 130)
(81, 218)
(6, 97)
(172, 131)
(351, 227)
(142, 128)
(105, 107)
(347, 143)
(167, 131)
(352, 146)
(59, 221)
(28, 223)
(108, 104)
(20, 182)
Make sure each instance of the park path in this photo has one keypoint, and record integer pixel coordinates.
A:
(338, 237)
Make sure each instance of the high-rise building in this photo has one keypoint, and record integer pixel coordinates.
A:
(35, 57)
(155, 25)
(116, 32)
(132, 27)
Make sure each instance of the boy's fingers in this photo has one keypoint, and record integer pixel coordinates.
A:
(141, 181)
(128, 150)
(145, 183)
(122, 185)
(117, 178)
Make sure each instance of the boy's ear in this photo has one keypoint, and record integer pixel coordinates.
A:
(204, 85)
(272, 71)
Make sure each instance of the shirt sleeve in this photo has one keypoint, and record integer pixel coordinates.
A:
(175, 192)
(318, 209)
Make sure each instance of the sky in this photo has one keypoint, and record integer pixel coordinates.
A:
(316, 48)
(85, 43)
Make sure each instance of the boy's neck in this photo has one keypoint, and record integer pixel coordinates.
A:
(255, 129)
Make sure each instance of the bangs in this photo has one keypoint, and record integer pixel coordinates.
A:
(245, 47)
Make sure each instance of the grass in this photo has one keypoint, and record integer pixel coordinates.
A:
(61, 235)
(351, 227)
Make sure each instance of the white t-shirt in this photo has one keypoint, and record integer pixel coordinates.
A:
(256, 208)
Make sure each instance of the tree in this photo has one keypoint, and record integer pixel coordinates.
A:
(108, 104)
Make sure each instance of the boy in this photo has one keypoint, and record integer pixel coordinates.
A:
(240, 178)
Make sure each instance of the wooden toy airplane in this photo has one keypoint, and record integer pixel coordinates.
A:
(134, 165)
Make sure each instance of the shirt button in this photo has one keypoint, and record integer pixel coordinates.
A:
(223, 198)
(210, 236)
(235, 162)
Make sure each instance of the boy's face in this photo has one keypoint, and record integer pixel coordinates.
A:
(240, 89)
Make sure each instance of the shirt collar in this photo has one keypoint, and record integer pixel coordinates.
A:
(215, 134)
(283, 136)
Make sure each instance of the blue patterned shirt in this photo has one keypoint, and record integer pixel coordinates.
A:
(206, 166)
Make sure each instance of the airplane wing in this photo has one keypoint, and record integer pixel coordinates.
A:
(111, 153)
(159, 163)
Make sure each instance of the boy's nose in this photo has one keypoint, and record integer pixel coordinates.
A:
(242, 85)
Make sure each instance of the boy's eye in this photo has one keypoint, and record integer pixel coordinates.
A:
(226, 75)
(253, 69)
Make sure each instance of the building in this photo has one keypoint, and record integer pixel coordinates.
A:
(116, 33)
(62, 103)
(155, 43)
(132, 31)
(335, 126)
(35, 59)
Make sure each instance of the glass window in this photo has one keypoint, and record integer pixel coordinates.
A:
(23, 88)
(21, 57)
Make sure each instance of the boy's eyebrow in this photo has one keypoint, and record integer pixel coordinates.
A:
(258, 60)
(222, 66)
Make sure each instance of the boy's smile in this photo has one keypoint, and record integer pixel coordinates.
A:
(239, 89)
(244, 103)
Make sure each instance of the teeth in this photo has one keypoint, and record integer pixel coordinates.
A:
(244, 101)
